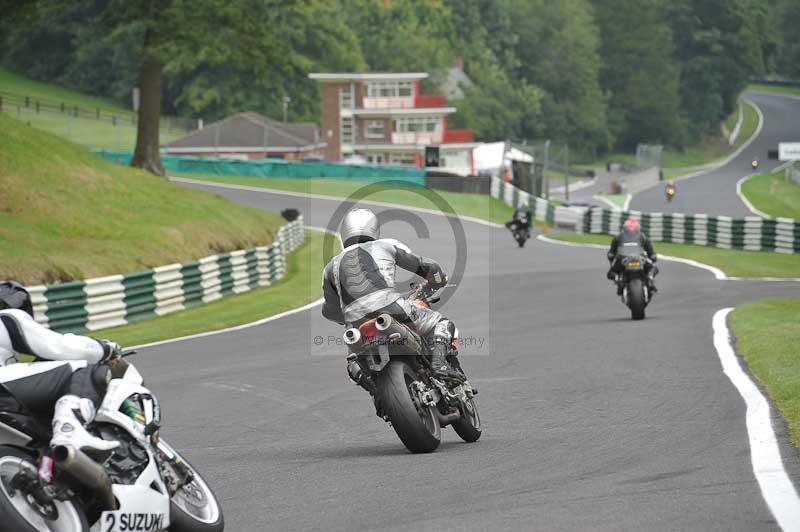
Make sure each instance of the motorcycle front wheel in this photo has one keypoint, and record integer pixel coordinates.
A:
(20, 510)
(194, 507)
(636, 299)
(416, 424)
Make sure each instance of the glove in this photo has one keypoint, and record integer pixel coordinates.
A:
(437, 280)
(110, 350)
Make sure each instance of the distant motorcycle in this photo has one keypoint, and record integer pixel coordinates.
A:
(519, 232)
(633, 283)
(670, 191)
(144, 484)
(392, 361)
(754, 164)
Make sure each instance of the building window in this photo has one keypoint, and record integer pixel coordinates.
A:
(389, 89)
(402, 158)
(375, 129)
(375, 159)
(410, 124)
(347, 133)
(345, 98)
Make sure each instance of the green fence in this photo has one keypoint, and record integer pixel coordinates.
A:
(276, 168)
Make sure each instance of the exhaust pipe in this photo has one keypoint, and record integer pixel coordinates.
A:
(351, 336)
(86, 471)
(383, 322)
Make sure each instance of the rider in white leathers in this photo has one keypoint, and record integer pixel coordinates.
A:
(69, 381)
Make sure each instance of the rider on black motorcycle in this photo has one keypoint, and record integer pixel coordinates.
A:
(359, 284)
(74, 380)
(522, 218)
(632, 235)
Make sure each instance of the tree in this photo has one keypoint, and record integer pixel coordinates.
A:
(639, 72)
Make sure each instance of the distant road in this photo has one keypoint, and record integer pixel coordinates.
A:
(715, 192)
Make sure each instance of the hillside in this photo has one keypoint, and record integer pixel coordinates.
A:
(66, 214)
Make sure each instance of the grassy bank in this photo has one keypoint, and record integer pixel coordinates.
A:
(300, 286)
(767, 337)
(773, 194)
(475, 205)
(67, 214)
(87, 131)
(735, 263)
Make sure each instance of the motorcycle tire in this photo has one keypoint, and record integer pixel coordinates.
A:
(636, 299)
(182, 520)
(419, 434)
(521, 242)
(468, 427)
(18, 515)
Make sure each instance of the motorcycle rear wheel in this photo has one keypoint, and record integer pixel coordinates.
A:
(20, 513)
(419, 431)
(468, 427)
(636, 299)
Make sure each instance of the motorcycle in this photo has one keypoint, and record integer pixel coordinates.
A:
(144, 484)
(519, 232)
(392, 362)
(670, 192)
(754, 164)
(633, 283)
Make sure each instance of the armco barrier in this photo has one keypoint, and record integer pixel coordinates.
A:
(541, 209)
(749, 233)
(115, 300)
(276, 168)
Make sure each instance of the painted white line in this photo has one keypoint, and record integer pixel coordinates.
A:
(614, 206)
(738, 127)
(776, 486)
(627, 204)
(744, 199)
(580, 185)
(246, 325)
(719, 274)
(333, 198)
(235, 328)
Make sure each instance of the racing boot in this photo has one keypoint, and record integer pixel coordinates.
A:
(439, 366)
(72, 414)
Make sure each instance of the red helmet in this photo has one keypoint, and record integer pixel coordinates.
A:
(631, 225)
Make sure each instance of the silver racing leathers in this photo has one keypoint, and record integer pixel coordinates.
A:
(359, 283)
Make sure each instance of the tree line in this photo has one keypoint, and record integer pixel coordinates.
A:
(599, 74)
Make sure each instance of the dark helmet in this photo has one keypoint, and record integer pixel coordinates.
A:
(14, 295)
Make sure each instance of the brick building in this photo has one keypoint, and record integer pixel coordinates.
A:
(384, 118)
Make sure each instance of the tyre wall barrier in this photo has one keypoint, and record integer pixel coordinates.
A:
(542, 210)
(750, 233)
(92, 304)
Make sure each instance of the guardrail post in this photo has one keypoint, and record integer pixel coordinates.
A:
(27, 101)
(37, 107)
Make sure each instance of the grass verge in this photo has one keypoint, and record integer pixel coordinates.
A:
(767, 337)
(773, 194)
(735, 263)
(67, 214)
(616, 199)
(475, 205)
(300, 286)
(96, 133)
(775, 89)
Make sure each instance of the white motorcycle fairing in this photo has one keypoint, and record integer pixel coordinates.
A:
(147, 501)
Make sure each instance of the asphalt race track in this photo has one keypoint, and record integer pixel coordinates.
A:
(591, 421)
(714, 193)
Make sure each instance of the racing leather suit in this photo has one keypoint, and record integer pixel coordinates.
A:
(638, 241)
(359, 284)
(63, 378)
(522, 216)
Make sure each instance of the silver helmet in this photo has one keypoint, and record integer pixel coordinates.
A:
(359, 225)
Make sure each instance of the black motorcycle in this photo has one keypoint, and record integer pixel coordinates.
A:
(633, 283)
(519, 232)
(392, 362)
